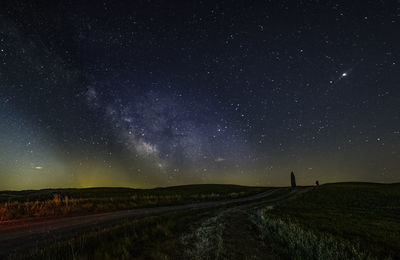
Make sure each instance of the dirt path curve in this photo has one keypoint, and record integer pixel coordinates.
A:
(231, 234)
(21, 235)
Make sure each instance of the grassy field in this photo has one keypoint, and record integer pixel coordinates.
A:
(336, 221)
(332, 221)
(61, 202)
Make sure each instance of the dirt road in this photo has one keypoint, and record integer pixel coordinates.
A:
(231, 234)
(20, 235)
(25, 234)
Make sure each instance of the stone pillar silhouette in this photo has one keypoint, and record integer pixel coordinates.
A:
(293, 180)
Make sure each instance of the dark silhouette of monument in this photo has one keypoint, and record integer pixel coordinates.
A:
(293, 180)
(317, 183)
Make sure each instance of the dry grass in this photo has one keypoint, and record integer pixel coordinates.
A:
(85, 201)
(57, 206)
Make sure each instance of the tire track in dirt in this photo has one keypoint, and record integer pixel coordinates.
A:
(231, 234)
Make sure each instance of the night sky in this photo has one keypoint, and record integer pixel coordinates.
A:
(148, 93)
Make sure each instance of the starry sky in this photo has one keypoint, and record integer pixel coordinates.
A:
(159, 93)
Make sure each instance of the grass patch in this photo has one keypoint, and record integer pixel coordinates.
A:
(356, 219)
(290, 240)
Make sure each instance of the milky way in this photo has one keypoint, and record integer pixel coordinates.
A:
(147, 93)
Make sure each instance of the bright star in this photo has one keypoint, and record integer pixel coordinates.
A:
(344, 74)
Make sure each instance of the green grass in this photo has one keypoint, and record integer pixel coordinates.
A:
(290, 240)
(358, 217)
(61, 202)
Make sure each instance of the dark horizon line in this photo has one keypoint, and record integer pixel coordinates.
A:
(193, 184)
